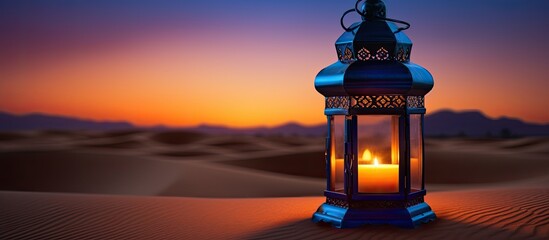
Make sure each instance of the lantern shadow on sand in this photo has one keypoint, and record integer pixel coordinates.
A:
(375, 111)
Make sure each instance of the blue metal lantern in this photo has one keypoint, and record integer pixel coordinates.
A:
(375, 111)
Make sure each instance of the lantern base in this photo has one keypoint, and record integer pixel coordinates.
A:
(339, 217)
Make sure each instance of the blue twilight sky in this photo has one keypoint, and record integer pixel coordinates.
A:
(484, 54)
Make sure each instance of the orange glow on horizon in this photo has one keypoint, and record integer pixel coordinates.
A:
(162, 81)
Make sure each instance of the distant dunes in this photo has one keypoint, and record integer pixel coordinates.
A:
(170, 163)
(37, 121)
(445, 123)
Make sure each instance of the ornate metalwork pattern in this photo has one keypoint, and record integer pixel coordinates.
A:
(337, 202)
(364, 55)
(400, 55)
(348, 56)
(337, 102)
(416, 101)
(374, 102)
(382, 54)
(408, 52)
(384, 101)
(403, 54)
(415, 201)
(345, 53)
(377, 204)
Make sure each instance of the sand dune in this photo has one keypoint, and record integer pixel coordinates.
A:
(67, 171)
(480, 214)
(177, 137)
(197, 165)
(479, 188)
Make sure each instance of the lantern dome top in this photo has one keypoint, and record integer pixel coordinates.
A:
(374, 58)
(374, 40)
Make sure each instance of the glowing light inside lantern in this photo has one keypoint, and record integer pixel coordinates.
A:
(367, 155)
(375, 177)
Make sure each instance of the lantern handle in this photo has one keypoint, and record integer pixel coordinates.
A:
(407, 25)
(377, 16)
(351, 28)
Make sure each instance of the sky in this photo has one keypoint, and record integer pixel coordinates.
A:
(245, 63)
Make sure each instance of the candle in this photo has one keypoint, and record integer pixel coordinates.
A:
(377, 178)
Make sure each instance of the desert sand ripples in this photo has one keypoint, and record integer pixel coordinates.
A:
(472, 214)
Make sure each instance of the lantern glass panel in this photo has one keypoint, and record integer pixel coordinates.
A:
(416, 152)
(378, 154)
(337, 153)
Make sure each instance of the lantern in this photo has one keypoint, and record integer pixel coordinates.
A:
(375, 109)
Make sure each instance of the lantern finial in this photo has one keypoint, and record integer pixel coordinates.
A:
(373, 9)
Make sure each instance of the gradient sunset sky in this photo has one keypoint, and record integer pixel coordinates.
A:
(251, 63)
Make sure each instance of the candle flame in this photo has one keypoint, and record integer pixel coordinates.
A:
(376, 162)
(367, 155)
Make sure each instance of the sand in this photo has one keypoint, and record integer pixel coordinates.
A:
(478, 214)
(179, 185)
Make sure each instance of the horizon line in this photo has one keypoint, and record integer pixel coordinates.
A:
(162, 125)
